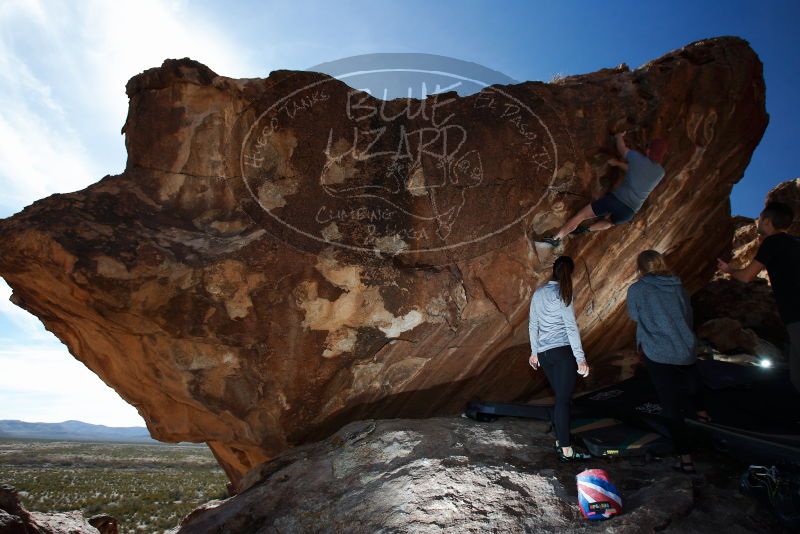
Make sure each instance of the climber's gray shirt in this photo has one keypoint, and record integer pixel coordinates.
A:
(642, 177)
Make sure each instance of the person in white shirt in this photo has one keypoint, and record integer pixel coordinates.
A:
(556, 348)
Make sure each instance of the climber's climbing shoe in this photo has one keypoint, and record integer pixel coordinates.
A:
(580, 230)
(552, 241)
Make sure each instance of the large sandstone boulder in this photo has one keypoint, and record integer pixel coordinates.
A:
(284, 255)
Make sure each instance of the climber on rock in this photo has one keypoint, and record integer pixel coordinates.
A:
(643, 172)
(779, 254)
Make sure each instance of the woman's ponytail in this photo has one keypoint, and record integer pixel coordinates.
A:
(562, 273)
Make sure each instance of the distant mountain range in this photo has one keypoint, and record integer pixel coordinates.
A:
(74, 431)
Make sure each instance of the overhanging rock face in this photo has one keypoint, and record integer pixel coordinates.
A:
(284, 255)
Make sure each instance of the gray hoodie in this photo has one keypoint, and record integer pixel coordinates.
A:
(552, 323)
(663, 314)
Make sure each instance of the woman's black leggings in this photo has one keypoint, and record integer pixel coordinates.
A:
(560, 369)
(677, 387)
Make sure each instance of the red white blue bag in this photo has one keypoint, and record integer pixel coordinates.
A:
(597, 496)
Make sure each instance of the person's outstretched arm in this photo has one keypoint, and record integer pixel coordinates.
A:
(748, 274)
(574, 336)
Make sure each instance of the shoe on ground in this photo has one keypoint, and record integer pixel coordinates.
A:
(576, 456)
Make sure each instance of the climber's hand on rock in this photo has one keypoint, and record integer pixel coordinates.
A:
(534, 361)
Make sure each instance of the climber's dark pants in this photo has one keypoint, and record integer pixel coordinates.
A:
(561, 370)
(678, 390)
(611, 205)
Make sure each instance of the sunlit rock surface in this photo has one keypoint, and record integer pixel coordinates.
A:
(457, 475)
(284, 255)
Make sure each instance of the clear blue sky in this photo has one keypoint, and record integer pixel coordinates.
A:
(64, 64)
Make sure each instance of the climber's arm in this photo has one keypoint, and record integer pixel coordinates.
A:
(617, 163)
(748, 274)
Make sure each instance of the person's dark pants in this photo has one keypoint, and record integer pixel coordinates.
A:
(678, 391)
(794, 353)
(561, 370)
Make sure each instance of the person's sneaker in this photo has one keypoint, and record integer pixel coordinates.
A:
(576, 456)
(552, 241)
(580, 230)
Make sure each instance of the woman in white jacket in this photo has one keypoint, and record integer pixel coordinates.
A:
(556, 347)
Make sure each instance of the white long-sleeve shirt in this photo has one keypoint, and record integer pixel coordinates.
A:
(552, 323)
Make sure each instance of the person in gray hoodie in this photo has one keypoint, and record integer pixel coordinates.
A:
(556, 347)
(664, 336)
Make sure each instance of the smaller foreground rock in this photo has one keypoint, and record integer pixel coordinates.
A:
(456, 475)
(14, 519)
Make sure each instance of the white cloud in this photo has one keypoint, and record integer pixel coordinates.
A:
(27, 326)
(41, 381)
(49, 385)
(39, 155)
(121, 39)
(63, 69)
